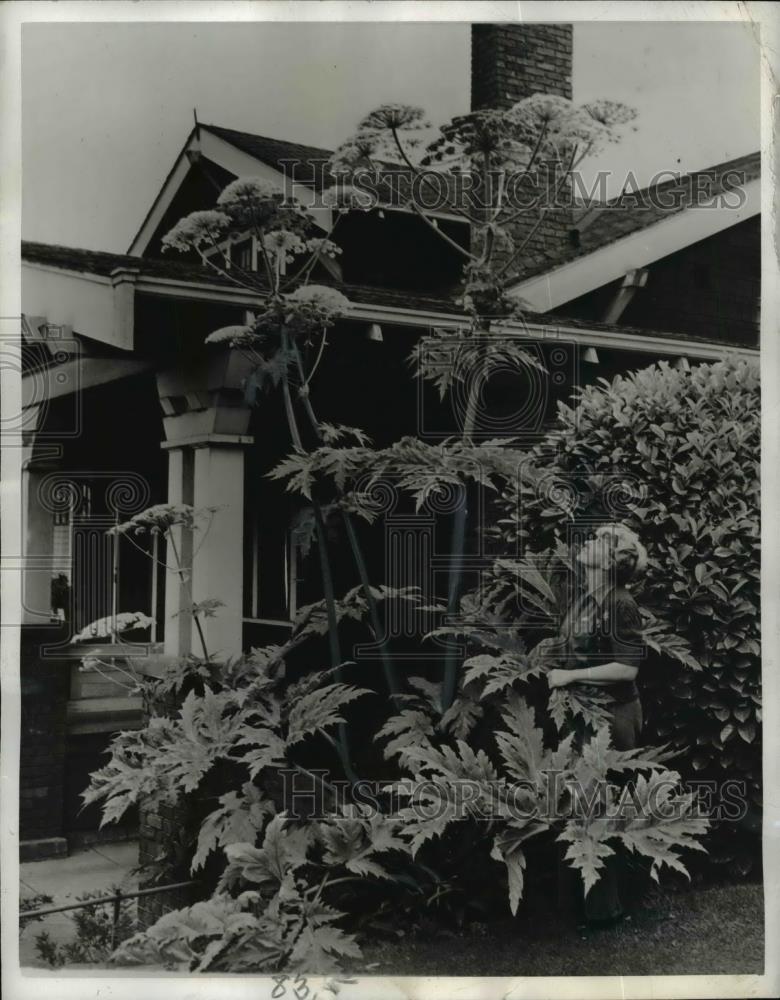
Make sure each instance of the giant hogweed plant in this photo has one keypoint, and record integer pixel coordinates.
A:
(292, 886)
(503, 152)
(500, 149)
(287, 896)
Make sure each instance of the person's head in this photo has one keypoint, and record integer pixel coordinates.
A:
(615, 549)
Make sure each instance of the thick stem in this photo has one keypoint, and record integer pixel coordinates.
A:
(195, 617)
(456, 246)
(325, 569)
(373, 612)
(455, 576)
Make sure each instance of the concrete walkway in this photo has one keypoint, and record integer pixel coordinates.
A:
(94, 869)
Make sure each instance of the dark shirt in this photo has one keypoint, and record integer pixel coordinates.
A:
(604, 629)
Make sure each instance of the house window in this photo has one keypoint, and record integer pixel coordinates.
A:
(271, 594)
(98, 574)
(242, 254)
(78, 506)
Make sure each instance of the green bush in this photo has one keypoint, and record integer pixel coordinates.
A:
(675, 455)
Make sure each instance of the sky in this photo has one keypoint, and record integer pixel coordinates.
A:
(106, 107)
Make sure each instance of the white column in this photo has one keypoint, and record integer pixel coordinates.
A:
(218, 564)
(206, 419)
(178, 590)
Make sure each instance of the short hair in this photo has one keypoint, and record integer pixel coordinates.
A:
(629, 556)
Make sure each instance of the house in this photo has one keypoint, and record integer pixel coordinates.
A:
(124, 406)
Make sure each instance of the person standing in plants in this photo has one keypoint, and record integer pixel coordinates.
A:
(600, 649)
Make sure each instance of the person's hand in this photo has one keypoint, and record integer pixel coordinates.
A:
(558, 678)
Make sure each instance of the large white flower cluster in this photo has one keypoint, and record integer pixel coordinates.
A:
(196, 230)
(162, 516)
(541, 127)
(255, 202)
(314, 307)
(375, 144)
(111, 626)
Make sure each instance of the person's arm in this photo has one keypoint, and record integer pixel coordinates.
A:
(627, 648)
(602, 675)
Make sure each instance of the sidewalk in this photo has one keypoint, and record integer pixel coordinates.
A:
(91, 869)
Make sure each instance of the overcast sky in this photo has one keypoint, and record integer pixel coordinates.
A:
(107, 107)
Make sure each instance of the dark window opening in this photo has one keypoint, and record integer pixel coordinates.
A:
(393, 249)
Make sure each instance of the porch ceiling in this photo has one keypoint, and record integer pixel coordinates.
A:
(192, 282)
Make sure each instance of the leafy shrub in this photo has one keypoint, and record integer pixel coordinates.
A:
(675, 455)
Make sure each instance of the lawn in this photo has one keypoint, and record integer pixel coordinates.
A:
(717, 931)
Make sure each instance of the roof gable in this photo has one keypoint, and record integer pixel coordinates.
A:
(273, 152)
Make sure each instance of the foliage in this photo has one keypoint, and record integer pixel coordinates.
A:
(276, 903)
(252, 721)
(290, 884)
(512, 796)
(279, 923)
(675, 455)
(30, 903)
(94, 933)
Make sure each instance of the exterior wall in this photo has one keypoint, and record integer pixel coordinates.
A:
(510, 62)
(84, 303)
(110, 447)
(44, 696)
(711, 289)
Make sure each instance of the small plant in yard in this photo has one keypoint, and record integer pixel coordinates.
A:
(95, 936)
(30, 903)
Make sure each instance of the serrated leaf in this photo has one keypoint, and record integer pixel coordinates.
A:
(319, 710)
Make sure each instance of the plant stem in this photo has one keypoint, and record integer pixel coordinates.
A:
(387, 663)
(455, 581)
(325, 568)
(195, 617)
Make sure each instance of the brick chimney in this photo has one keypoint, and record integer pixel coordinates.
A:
(513, 61)
(510, 62)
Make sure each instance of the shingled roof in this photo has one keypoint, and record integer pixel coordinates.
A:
(599, 225)
(99, 262)
(274, 152)
(102, 263)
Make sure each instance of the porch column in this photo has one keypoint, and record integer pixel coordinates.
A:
(176, 638)
(206, 421)
(218, 565)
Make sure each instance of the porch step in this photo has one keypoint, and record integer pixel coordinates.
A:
(103, 715)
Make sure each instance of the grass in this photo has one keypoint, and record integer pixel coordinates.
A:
(716, 931)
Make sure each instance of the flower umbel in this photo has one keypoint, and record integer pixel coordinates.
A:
(195, 230)
(161, 517)
(313, 307)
